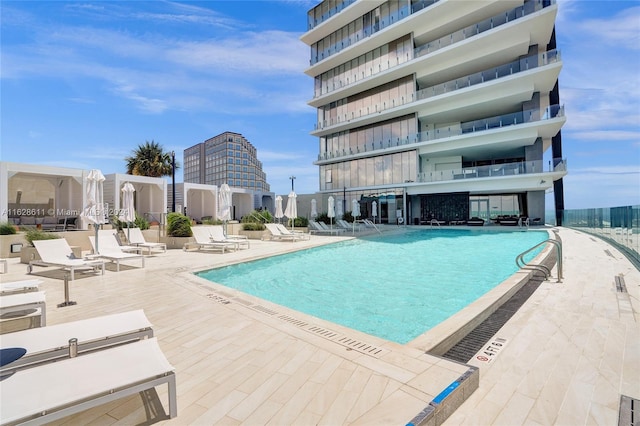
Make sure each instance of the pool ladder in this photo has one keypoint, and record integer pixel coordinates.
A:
(547, 272)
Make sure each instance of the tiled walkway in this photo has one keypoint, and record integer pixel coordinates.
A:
(571, 350)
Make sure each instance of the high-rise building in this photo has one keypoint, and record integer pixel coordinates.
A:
(227, 158)
(437, 109)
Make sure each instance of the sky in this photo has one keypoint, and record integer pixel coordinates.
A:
(83, 83)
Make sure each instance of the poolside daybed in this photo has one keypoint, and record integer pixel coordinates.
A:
(475, 221)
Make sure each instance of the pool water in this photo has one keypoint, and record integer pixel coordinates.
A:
(394, 286)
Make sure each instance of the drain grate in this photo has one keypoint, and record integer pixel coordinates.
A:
(263, 310)
(359, 346)
(629, 414)
(621, 287)
(293, 321)
(476, 339)
(321, 331)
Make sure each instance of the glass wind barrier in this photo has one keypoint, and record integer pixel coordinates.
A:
(521, 65)
(505, 169)
(448, 40)
(617, 225)
(516, 118)
(314, 21)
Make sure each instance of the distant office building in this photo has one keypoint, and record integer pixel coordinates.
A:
(437, 108)
(227, 158)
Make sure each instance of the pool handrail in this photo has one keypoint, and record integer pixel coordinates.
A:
(522, 264)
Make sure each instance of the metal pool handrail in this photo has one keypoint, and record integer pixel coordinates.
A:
(521, 263)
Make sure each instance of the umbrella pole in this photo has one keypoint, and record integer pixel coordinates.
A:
(96, 226)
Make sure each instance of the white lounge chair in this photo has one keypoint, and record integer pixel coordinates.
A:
(285, 231)
(343, 224)
(108, 239)
(108, 249)
(47, 344)
(317, 228)
(22, 286)
(218, 235)
(56, 390)
(136, 238)
(57, 252)
(276, 233)
(21, 304)
(202, 235)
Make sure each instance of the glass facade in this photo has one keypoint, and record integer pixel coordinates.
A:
(226, 158)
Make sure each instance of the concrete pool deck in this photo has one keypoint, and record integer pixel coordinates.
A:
(569, 352)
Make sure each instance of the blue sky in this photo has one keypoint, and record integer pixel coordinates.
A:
(84, 83)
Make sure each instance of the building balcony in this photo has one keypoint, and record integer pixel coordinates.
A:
(494, 170)
(521, 128)
(500, 87)
(463, 48)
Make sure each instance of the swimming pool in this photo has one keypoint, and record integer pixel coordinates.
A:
(394, 286)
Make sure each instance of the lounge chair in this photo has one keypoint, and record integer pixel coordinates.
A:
(284, 231)
(202, 235)
(276, 233)
(48, 344)
(109, 249)
(348, 226)
(21, 305)
(328, 228)
(56, 390)
(22, 286)
(218, 235)
(316, 228)
(475, 221)
(108, 239)
(57, 252)
(136, 238)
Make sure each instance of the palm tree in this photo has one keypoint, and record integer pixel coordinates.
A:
(150, 160)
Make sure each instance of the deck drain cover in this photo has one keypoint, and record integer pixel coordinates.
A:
(629, 411)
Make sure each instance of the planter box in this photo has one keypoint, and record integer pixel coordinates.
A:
(254, 235)
(176, 242)
(7, 240)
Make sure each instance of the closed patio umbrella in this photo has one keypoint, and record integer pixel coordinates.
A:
(374, 210)
(224, 204)
(291, 211)
(94, 208)
(339, 212)
(355, 212)
(314, 208)
(128, 212)
(331, 210)
(279, 214)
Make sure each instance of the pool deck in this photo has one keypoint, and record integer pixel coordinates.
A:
(568, 354)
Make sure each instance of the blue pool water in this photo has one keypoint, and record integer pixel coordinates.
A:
(395, 286)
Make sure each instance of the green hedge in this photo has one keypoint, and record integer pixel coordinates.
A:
(178, 225)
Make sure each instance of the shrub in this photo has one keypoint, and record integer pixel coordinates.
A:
(257, 216)
(7, 228)
(141, 223)
(322, 217)
(208, 220)
(301, 222)
(348, 217)
(253, 226)
(34, 234)
(178, 225)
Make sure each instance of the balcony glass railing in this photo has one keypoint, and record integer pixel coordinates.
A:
(314, 21)
(369, 29)
(448, 40)
(524, 64)
(467, 127)
(494, 170)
